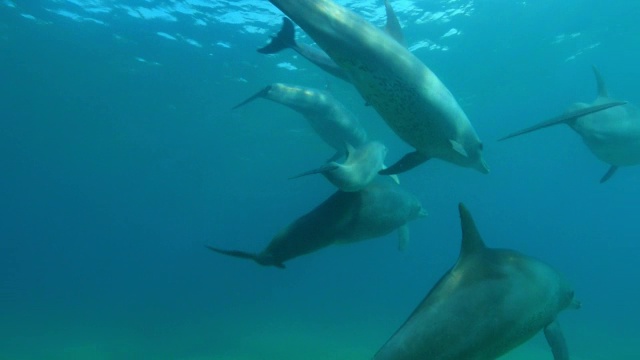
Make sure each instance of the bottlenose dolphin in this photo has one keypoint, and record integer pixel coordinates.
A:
(345, 217)
(409, 97)
(286, 38)
(609, 128)
(491, 301)
(335, 125)
(358, 170)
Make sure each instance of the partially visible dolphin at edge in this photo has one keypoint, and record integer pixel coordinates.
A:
(331, 120)
(490, 302)
(409, 97)
(345, 217)
(609, 128)
(358, 170)
(286, 38)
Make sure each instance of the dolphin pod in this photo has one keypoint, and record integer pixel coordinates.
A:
(345, 217)
(409, 97)
(609, 128)
(491, 301)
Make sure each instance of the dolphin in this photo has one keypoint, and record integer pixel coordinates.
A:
(335, 125)
(358, 170)
(490, 302)
(286, 38)
(410, 98)
(609, 128)
(345, 217)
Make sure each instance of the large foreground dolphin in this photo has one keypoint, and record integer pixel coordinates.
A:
(491, 301)
(345, 217)
(286, 38)
(409, 97)
(335, 125)
(609, 128)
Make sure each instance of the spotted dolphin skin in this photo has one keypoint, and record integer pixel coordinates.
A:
(286, 38)
(409, 97)
(490, 302)
(358, 170)
(345, 217)
(609, 128)
(335, 125)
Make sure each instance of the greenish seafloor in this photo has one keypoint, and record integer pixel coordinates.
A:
(259, 336)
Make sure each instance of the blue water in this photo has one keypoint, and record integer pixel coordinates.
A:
(120, 159)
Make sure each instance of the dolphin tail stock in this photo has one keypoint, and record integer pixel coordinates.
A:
(565, 118)
(245, 255)
(260, 94)
(324, 168)
(408, 162)
(286, 38)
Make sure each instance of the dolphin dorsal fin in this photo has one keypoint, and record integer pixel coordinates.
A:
(471, 239)
(602, 88)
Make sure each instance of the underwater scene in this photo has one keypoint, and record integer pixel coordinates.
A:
(319, 179)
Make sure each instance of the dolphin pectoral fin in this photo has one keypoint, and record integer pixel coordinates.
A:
(260, 94)
(458, 148)
(556, 341)
(324, 168)
(565, 118)
(394, 177)
(408, 162)
(403, 237)
(609, 174)
(286, 38)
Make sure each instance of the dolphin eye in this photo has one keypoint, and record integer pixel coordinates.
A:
(481, 146)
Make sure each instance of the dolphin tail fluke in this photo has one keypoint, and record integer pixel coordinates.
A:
(286, 38)
(609, 174)
(565, 118)
(260, 94)
(408, 162)
(235, 253)
(320, 170)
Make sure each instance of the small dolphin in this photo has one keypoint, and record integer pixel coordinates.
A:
(609, 128)
(335, 125)
(358, 170)
(345, 217)
(286, 38)
(409, 97)
(490, 302)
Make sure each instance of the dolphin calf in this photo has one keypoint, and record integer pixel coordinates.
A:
(609, 128)
(358, 170)
(490, 302)
(409, 97)
(335, 125)
(345, 217)
(286, 38)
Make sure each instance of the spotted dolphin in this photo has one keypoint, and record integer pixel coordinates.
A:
(609, 128)
(406, 93)
(286, 38)
(345, 217)
(358, 170)
(490, 302)
(335, 125)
